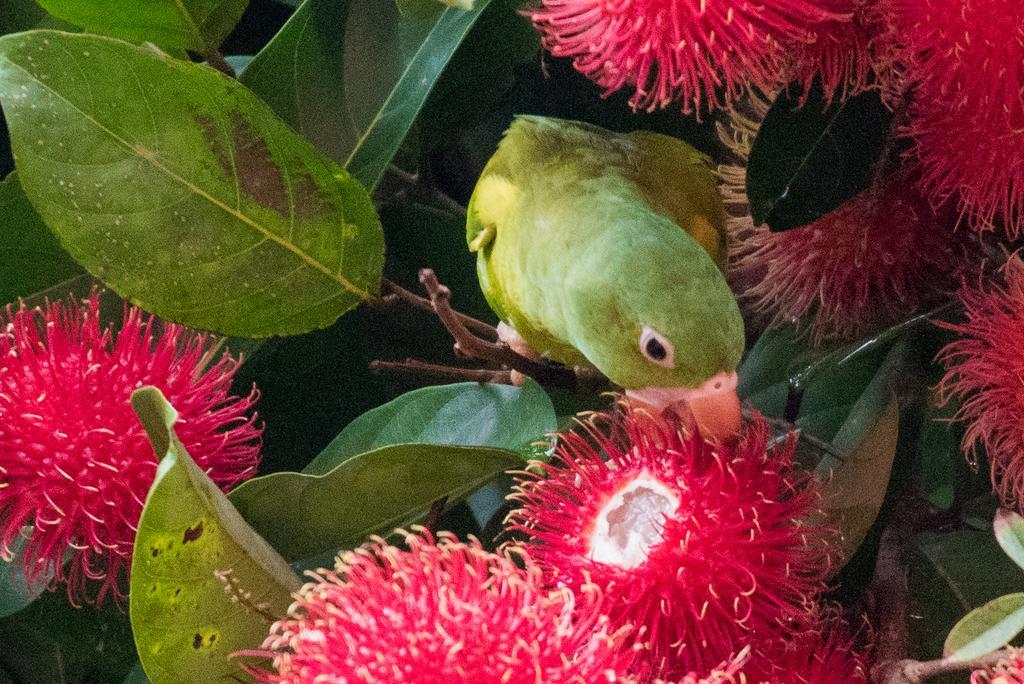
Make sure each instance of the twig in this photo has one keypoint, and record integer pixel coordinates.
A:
(433, 518)
(497, 352)
(217, 61)
(401, 294)
(416, 187)
(435, 372)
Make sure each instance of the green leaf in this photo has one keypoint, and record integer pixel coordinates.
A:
(182, 191)
(806, 161)
(136, 676)
(854, 484)
(985, 629)
(203, 584)
(196, 25)
(371, 493)
(464, 414)
(950, 575)
(16, 591)
(939, 458)
(53, 642)
(19, 15)
(315, 75)
(829, 397)
(1009, 530)
(33, 259)
(430, 8)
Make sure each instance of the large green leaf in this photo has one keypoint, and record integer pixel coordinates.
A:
(828, 397)
(940, 461)
(182, 191)
(203, 583)
(197, 25)
(950, 575)
(855, 482)
(464, 414)
(33, 259)
(849, 405)
(987, 628)
(371, 493)
(808, 159)
(316, 74)
(53, 642)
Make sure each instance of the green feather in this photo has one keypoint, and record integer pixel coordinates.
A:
(585, 236)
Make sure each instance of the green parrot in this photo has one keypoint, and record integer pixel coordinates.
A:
(605, 249)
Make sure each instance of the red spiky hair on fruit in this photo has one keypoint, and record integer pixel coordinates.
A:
(75, 463)
(441, 613)
(840, 59)
(963, 61)
(701, 52)
(706, 546)
(821, 654)
(1009, 670)
(877, 259)
(984, 370)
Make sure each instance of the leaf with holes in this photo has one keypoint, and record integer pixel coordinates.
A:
(33, 259)
(182, 191)
(372, 493)
(314, 74)
(985, 629)
(203, 583)
(197, 25)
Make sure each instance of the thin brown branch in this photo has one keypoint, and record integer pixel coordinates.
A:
(401, 294)
(417, 187)
(433, 518)
(889, 594)
(432, 372)
(497, 352)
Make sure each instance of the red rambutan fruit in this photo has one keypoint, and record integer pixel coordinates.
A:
(839, 59)
(1009, 670)
(703, 546)
(822, 654)
(963, 61)
(701, 52)
(877, 259)
(75, 463)
(441, 613)
(985, 370)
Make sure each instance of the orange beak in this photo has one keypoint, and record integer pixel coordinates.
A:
(714, 406)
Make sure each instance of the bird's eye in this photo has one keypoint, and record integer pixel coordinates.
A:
(656, 348)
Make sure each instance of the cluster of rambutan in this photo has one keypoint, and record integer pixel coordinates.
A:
(949, 66)
(651, 555)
